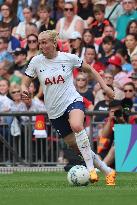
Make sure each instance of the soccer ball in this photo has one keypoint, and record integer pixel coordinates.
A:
(78, 176)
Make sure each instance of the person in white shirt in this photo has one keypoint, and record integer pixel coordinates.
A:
(64, 104)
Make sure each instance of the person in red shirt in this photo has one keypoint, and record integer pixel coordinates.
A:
(100, 22)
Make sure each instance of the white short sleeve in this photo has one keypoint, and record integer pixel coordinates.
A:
(76, 61)
(31, 69)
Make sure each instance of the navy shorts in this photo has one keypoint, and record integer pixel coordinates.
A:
(61, 124)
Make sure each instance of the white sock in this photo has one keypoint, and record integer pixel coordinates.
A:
(100, 164)
(85, 149)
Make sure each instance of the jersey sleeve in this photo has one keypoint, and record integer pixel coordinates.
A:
(31, 69)
(76, 61)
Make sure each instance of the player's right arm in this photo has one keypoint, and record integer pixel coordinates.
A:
(26, 81)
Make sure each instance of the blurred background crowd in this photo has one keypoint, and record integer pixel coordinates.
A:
(101, 32)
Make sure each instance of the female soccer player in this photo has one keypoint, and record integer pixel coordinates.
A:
(64, 104)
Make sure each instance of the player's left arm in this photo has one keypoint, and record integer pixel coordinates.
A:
(89, 69)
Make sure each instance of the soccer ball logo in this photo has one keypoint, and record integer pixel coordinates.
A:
(78, 176)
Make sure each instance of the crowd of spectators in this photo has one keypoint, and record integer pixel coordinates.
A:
(103, 33)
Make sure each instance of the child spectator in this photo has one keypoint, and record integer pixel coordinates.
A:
(45, 21)
(88, 39)
(107, 45)
(100, 22)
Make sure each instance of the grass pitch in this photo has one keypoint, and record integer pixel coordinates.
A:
(51, 188)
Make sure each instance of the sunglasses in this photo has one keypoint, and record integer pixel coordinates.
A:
(14, 92)
(128, 91)
(68, 9)
(81, 79)
(32, 41)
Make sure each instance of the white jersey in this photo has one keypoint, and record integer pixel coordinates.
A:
(56, 78)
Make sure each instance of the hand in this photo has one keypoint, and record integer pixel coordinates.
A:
(110, 93)
(25, 95)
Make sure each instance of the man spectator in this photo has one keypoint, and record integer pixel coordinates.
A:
(20, 61)
(109, 79)
(124, 19)
(4, 54)
(5, 31)
(119, 113)
(109, 30)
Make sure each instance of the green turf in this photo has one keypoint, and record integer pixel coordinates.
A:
(53, 188)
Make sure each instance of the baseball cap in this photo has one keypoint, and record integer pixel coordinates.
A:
(115, 60)
(133, 76)
(19, 51)
(75, 35)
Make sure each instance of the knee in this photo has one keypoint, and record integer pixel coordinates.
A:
(76, 128)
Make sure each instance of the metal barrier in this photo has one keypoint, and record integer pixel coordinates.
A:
(25, 149)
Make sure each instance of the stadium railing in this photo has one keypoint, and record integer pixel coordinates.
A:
(25, 149)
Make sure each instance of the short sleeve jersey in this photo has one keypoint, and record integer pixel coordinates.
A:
(56, 78)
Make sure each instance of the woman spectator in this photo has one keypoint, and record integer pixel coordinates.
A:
(76, 45)
(131, 44)
(69, 23)
(21, 28)
(132, 27)
(82, 87)
(85, 11)
(8, 16)
(15, 94)
(58, 9)
(32, 46)
(129, 90)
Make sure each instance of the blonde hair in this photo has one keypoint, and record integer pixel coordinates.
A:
(53, 35)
